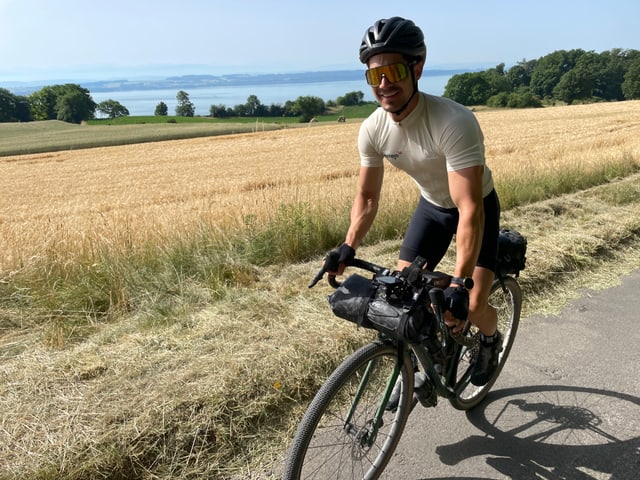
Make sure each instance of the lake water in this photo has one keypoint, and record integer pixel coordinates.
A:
(143, 102)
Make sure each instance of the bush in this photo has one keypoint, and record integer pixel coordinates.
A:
(499, 100)
(523, 100)
(514, 100)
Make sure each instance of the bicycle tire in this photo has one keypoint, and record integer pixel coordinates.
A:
(506, 297)
(324, 447)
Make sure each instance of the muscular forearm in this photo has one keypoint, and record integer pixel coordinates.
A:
(468, 242)
(363, 213)
(466, 191)
(365, 204)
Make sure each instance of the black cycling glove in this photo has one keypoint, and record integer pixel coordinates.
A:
(343, 254)
(457, 302)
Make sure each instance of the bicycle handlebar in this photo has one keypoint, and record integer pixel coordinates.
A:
(356, 262)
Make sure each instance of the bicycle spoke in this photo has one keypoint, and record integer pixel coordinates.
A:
(506, 298)
(338, 437)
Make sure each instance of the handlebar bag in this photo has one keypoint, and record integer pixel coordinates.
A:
(364, 302)
(350, 300)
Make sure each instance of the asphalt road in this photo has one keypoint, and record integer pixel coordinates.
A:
(567, 405)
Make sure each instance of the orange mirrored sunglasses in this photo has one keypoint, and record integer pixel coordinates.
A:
(393, 73)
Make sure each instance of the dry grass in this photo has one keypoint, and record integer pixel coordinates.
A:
(216, 391)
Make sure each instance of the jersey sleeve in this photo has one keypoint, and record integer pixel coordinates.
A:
(370, 155)
(462, 142)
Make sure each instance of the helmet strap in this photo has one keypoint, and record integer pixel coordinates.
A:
(415, 90)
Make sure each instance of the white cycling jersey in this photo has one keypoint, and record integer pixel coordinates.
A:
(437, 137)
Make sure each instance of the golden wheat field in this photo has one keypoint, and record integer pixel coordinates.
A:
(69, 201)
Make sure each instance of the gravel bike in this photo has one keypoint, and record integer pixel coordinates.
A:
(353, 424)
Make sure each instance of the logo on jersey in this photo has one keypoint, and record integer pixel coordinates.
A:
(393, 156)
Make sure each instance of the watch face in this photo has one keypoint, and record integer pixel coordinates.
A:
(466, 282)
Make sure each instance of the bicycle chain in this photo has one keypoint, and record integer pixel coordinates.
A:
(466, 340)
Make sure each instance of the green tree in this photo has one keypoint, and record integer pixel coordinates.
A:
(161, 110)
(220, 111)
(308, 107)
(276, 110)
(112, 109)
(43, 103)
(23, 109)
(573, 85)
(351, 98)
(13, 108)
(631, 83)
(75, 101)
(253, 107)
(520, 74)
(550, 69)
(240, 110)
(609, 75)
(497, 79)
(185, 107)
(471, 88)
(74, 107)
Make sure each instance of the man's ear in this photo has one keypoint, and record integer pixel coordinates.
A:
(417, 69)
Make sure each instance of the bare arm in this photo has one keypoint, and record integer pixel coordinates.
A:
(466, 191)
(365, 204)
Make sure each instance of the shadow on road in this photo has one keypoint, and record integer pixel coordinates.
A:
(554, 432)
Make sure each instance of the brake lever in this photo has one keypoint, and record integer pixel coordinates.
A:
(330, 278)
(318, 277)
(332, 254)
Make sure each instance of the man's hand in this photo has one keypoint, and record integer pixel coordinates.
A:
(338, 258)
(457, 306)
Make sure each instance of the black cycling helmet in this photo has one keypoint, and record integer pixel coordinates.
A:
(393, 35)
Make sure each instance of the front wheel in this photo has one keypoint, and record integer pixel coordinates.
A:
(347, 433)
(506, 298)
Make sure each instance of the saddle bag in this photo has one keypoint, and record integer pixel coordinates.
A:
(512, 250)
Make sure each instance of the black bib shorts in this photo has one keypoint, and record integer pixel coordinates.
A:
(432, 228)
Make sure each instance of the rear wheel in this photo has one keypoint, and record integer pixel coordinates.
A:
(337, 437)
(506, 298)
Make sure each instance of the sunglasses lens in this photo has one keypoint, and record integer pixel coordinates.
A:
(393, 73)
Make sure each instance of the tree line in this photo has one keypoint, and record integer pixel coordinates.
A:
(568, 76)
(72, 103)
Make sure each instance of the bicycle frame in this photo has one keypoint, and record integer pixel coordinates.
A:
(370, 438)
(444, 380)
(441, 384)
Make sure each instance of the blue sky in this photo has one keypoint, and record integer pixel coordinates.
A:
(87, 39)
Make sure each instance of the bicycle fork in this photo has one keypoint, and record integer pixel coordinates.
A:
(368, 432)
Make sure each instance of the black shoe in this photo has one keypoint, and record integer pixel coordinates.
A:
(423, 392)
(486, 361)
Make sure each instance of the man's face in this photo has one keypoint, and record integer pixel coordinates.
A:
(392, 96)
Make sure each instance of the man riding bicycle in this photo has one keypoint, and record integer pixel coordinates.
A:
(439, 143)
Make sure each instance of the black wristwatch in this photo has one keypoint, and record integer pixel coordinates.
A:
(466, 282)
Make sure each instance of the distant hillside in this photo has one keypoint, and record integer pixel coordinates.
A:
(203, 81)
